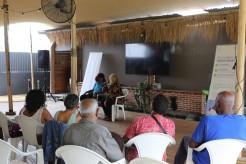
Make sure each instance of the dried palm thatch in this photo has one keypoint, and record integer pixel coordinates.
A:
(206, 27)
(59, 37)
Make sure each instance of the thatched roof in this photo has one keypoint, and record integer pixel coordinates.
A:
(206, 27)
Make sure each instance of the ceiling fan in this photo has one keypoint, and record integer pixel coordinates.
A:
(59, 11)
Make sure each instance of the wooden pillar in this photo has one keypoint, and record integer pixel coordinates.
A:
(52, 67)
(240, 59)
(73, 56)
(6, 42)
(32, 63)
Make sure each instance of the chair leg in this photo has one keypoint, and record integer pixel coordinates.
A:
(56, 160)
(14, 142)
(113, 112)
(25, 145)
(117, 111)
(123, 110)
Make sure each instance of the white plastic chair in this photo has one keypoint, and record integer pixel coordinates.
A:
(72, 154)
(224, 151)
(6, 149)
(4, 121)
(116, 106)
(146, 160)
(30, 129)
(151, 145)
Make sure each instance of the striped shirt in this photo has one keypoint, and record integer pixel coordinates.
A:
(87, 133)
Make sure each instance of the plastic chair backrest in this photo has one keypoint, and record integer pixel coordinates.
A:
(152, 145)
(125, 92)
(146, 160)
(224, 151)
(4, 124)
(76, 154)
(29, 128)
(6, 149)
(189, 156)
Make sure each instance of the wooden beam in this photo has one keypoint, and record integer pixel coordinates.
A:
(240, 59)
(32, 63)
(52, 67)
(6, 42)
(73, 56)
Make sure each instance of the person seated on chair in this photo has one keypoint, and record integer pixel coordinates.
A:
(35, 106)
(221, 126)
(147, 124)
(114, 90)
(99, 88)
(87, 133)
(70, 115)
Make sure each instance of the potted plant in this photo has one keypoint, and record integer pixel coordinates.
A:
(174, 104)
(142, 96)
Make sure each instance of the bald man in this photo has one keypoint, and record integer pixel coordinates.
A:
(87, 133)
(224, 125)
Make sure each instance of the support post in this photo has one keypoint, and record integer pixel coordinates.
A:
(6, 42)
(240, 59)
(73, 56)
(32, 63)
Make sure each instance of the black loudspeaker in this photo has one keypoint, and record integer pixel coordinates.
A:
(43, 59)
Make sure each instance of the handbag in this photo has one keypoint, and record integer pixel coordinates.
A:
(15, 130)
(163, 130)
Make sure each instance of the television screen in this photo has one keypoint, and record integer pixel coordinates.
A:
(147, 59)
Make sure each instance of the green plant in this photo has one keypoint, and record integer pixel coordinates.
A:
(142, 96)
(174, 104)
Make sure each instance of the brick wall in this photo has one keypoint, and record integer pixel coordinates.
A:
(188, 101)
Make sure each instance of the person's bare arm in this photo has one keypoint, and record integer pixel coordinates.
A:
(125, 139)
(78, 117)
(46, 116)
(193, 144)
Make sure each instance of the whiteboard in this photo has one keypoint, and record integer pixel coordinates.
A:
(92, 69)
(223, 76)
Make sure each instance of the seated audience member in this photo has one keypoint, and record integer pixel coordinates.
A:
(212, 111)
(87, 133)
(100, 88)
(70, 115)
(35, 107)
(147, 124)
(221, 126)
(114, 90)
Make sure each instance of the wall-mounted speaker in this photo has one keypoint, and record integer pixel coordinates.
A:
(43, 59)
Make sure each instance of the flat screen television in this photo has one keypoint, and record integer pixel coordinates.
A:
(147, 59)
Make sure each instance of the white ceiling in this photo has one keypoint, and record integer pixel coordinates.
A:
(105, 11)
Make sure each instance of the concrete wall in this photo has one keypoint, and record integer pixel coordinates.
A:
(187, 71)
(191, 63)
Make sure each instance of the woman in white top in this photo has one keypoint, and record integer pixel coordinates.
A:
(35, 107)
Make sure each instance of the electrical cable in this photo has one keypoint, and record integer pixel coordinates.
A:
(22, 12)
(238, 82)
